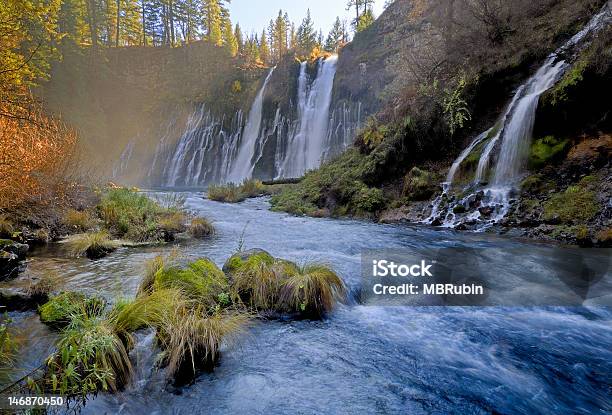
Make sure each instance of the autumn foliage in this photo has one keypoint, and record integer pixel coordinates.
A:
(36, 153)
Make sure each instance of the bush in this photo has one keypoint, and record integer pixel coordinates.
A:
(201, 228)
(93, 245)
(172, 223)
(311, 289)
(577, 204)
(60, 309)
(419, 184)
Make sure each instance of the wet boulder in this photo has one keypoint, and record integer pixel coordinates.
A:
(12, 255)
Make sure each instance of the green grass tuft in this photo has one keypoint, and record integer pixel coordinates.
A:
(201, 228)
(60, 309)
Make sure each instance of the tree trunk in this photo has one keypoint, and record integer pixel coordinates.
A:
(93, 23)
(144, 30)
(117, 23)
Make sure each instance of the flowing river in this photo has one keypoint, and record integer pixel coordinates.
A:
(362, 358)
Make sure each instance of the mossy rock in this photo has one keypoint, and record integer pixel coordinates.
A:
(577, 204)
(546, 150)
(201, 279)
(58, 311)
(247, 258)
(419, 184)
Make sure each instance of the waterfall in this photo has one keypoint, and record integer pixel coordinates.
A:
(514, 131)
(243, 165)
(220, 150)
(308, 146)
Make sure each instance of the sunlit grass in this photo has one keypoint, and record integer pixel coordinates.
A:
(93, 245)
(201, 228)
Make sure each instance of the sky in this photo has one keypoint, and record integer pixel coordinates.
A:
(254, 15)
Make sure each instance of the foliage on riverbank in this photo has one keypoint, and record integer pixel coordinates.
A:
(235, 193)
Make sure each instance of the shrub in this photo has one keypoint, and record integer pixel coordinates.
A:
(576, 204)
(93, 245)
(201, 227)
(604, 236)
(60, 309)
(368, 199)
(79, 221)
(311, 289)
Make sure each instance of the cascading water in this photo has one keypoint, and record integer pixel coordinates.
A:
(514, 130)
(307, 148)
(219, 150)
(244, 163)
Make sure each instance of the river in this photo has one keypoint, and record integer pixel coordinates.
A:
(362, 358)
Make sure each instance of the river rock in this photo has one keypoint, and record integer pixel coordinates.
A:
(485, 211)
(12, 255)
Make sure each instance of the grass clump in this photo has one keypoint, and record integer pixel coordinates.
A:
(60, 309)
(577, 204)
(201, 228)
(8, 347)
(235, 193)
(90, 358)
(271, 284)
(255, 278)
(94, 245)
(419, 184)
(311, 289)
(79, 221)
(134, 216)
(201, 280)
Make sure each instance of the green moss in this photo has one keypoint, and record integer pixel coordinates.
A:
(60, 309)
(569, 81)
(340, 182)
(419, 184)
(201, 280)
(546, 150)
(576, 204)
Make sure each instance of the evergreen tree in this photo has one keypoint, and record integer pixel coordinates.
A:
(264, 48)
(306, 35)
(211, 16)
(229, 39)
(336, 38)
(239, 38)
(365, 20)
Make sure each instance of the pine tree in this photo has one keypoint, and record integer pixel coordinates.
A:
(229, 39)
(306, 35)
(239, 38)
(264, 48)
(211, 16)
(365, 20)
(335, 39)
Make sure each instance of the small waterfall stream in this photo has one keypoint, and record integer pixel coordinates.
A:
(514, 131)
(243, 164)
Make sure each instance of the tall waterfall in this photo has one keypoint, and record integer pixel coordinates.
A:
(214, 149)
(514, 130)
(307, 147)
(243, 164)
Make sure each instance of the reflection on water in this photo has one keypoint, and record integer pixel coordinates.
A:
(364, 359)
